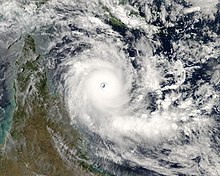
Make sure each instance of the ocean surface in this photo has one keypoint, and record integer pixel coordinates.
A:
(138, 80)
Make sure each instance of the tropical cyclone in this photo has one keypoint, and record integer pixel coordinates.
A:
(140, 80)
(134, 97)
(100, 96)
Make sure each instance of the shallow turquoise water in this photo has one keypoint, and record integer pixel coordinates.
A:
(6, 116)
(178, 57)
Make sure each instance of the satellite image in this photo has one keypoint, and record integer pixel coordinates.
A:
(109, 88)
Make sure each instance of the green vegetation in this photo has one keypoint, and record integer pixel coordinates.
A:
(118, 25)
(112, 20)
(133, 13)
(123, 2)
(33, 150)
(116, 22)
(29, 45)
(37, 110)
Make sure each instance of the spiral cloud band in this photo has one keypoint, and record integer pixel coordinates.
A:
(140, 80)
(136, 107)
(97, 91)
(100, 98)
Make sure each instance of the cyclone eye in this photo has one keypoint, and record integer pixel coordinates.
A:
(103, 85)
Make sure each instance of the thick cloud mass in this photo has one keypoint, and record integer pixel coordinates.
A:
(105, 89)
(98, 89)
(101, 97)
(140, 79)
(136, 94)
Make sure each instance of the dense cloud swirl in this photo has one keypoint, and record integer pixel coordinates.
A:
(137, 81)
(107, 97)
(100, 89)
(134, 105)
